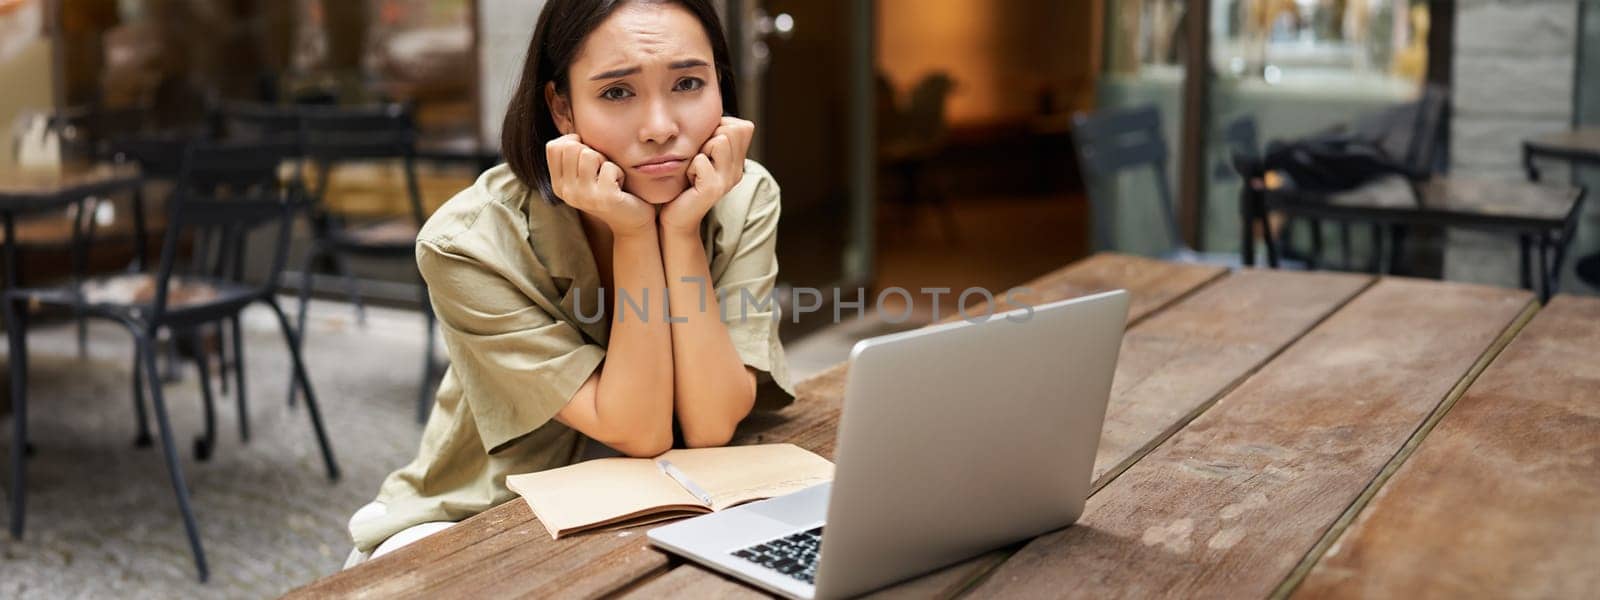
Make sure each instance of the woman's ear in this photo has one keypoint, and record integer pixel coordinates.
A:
(560, 109)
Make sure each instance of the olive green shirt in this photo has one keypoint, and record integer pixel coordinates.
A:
(508, 274)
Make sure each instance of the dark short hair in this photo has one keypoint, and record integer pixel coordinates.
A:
(563, 25)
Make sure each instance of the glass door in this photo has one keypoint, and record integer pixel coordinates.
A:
(805, 82)
(1144, 66)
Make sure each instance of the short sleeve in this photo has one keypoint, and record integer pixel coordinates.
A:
(517, 365)
(744, 289)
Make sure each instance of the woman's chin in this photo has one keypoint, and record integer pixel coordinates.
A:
(658, 195)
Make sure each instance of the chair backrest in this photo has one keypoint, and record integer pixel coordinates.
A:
(159, 153)
(335, 134)
(254, 121)
(225, 192)
(383, 131)
(1433, 118)
(1410, 133)
(1110, 142)
(1242, 135)
(86, 130)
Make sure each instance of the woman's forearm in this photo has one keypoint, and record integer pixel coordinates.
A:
(634, 396)
(713, 390)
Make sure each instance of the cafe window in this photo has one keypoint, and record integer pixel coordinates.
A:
(1294, 66)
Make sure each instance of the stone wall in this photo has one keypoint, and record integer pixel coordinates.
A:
(506, 27)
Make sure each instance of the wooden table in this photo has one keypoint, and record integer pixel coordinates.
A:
(1269, 434)
(24, 191)
(1578, 146)
(1543, 216)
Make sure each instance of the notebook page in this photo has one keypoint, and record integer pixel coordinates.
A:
(600, 491)
(737, 474)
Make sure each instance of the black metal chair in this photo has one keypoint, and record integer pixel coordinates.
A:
(229, 190)
(1111, 142)
(335, 135)
(239, 122)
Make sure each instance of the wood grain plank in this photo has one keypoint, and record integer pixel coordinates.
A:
(1173, 365)
(1502, 498)
(1153, 284)
(693, 583)
(505, 551)
(1230, 504)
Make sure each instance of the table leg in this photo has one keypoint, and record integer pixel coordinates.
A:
(19, 408)
(1346, 255)
(10, 251)
(1397, 241)
(1314, 262)
(1247, 241)
(1545, 276)
(140, 242)
(1377, 249)
(1527, 164)
(1524, 254)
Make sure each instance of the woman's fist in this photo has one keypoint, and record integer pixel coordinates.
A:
(584, 179)
(712, 173)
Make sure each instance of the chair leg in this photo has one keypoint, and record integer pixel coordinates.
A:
(351, 288)
(143, 440)
(222, 357)
(304, 299)
(174, 470)
(204, 444)
(424, 393)
(16, 336)
(170, 349)
(300, 375)
(238, 374)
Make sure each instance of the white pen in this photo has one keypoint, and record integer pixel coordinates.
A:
(683, 480)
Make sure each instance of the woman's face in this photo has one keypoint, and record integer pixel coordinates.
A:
(643, 91)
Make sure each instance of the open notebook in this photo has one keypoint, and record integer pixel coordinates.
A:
(624, 492)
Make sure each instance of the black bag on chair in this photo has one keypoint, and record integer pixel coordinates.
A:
(1330, 163)
(1398, 141)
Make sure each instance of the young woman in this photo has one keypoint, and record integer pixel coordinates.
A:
(625, 194)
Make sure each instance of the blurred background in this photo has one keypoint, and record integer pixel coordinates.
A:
(919, 144)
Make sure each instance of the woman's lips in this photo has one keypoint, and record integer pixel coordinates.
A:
(665, 167)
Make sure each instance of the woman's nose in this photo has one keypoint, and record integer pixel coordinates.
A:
(660, 125)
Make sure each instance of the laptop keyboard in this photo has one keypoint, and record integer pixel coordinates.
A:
(794, 555)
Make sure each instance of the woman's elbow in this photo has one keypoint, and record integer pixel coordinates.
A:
(645, 445)
(710, 433)
(708, 437)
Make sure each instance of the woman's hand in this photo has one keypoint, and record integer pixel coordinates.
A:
(718, 167)
(583, 178)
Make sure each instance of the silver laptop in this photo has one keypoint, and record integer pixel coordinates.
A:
(955, 439)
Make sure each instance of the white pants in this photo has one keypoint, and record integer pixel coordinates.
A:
(395, 542)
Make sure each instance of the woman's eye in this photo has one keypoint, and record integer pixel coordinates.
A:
(689, 84)
(615, 93)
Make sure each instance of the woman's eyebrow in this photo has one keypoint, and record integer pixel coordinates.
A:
(626, 71)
